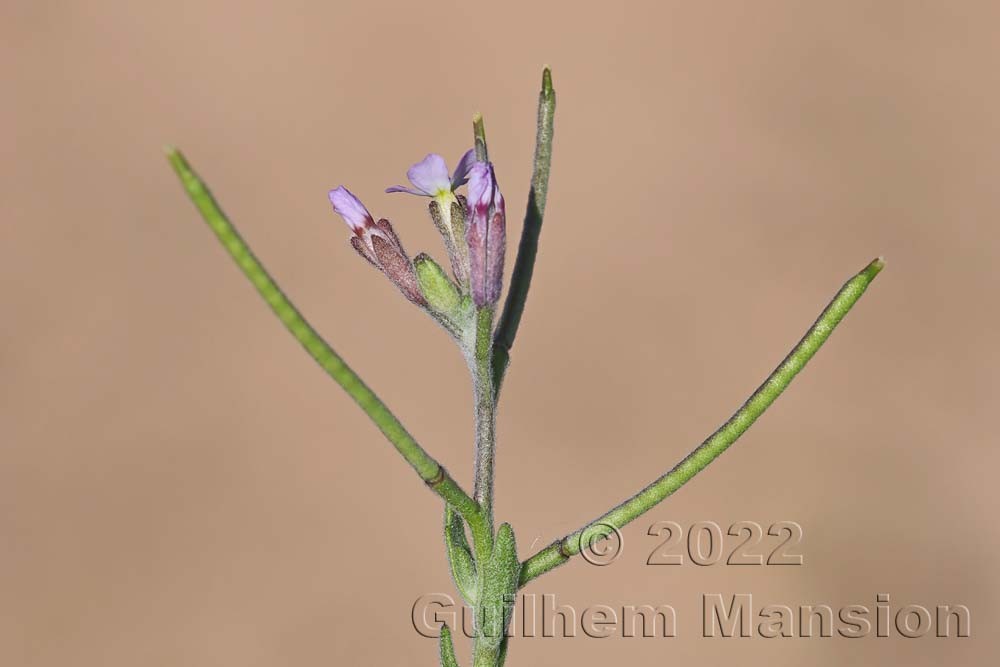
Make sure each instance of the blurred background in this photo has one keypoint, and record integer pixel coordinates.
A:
(180, 485)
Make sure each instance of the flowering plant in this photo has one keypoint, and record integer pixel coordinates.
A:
(487, 570)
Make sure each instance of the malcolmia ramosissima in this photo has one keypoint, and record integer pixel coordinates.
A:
(483, 556)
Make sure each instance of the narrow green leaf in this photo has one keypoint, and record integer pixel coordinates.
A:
(448, 658)
(463, 566)
(499, 587)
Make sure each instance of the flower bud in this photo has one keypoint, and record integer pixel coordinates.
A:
(486, 234)
(440, 293)
(377, 242)
(448, 215)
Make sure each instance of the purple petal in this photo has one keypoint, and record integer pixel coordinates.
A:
(403, 188)
(461, 176)
(350, 209)
(430, 175)
(480, 188)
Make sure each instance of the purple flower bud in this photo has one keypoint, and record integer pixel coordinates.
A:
(377, 242)
(430, 176)
(486, 234)
(350, 209)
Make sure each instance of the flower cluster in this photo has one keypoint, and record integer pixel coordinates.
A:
(473, 228)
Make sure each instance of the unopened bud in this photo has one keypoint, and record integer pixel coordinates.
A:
(448, 214)
(486, 234)
(377, 242)
(439, 291)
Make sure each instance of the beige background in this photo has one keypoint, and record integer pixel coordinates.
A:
(179, 485)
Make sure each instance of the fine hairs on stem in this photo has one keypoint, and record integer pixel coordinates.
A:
(487, 572)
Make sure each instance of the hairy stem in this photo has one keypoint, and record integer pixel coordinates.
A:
(486, 655)
(433, 474)
(524, 265)
(559, 552)
(485, 413)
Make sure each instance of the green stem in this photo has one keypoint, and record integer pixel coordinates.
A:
(486, 655)
(520, 281)
(485, 650)
(485, 412)
(433, 474)
(559, 552)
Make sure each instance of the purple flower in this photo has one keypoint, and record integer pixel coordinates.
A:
(378, 243)
(486, 234)
(350, 208)
(430, 176)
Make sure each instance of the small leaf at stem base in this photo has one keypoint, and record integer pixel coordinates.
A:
(463, 566)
